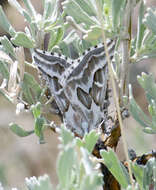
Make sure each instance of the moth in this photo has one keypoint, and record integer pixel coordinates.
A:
(79, 87)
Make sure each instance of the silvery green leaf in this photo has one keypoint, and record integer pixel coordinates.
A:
(42, 183)
(5, 24)
(93, 33)
(147, 82)
(116, 9)
(31, 89)
(30, 8)
(55, 38)
(148, 42)
(150, 20)
(66, 136)
(87, 164)
(36, 109)
(69, 41)
(27, 31)
(88, 141)
(65, 166)
(39, 128)
(91, 178)
(154, 175)
(87, 6)
(65, 49)
(26, 16)
(50, 10)
(21, 39)
(152, 111)
(9, 49)
(33, 29)
(94, 182)
(149, 170)
(138, 173)
(140, 27)
(3, 91)
(137, 112)
(72, 8)
(72, 36)
(19, 130)
(114, 166)
(4, 70)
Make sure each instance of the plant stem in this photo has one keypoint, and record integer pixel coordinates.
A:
(99, 14)
(124, 67)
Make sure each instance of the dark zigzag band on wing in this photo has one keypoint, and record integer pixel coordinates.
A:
(78, 86)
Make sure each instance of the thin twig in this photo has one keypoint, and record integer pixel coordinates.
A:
(99, 14)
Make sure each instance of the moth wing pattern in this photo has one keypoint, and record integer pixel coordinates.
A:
(78, 86)
(52, 67)
(86, 88)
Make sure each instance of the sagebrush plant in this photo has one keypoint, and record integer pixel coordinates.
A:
(75, 23)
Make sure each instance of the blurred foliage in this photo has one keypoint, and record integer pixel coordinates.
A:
(71, 30)
(148, 123)
(78, 170)
(75, 168)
